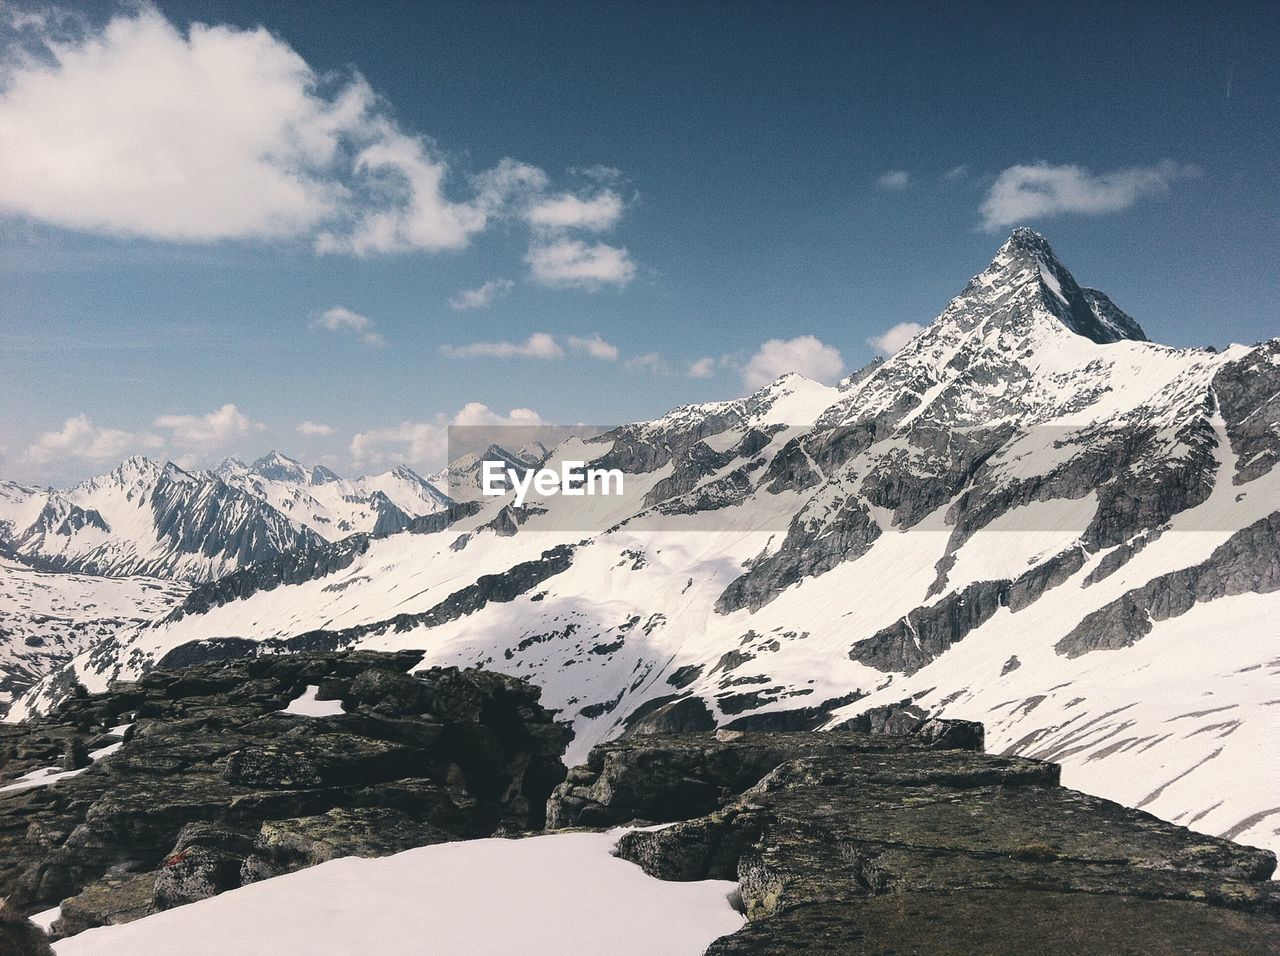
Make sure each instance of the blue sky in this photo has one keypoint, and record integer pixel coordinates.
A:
(210, 236)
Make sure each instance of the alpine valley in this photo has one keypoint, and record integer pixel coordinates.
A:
(1030, 516)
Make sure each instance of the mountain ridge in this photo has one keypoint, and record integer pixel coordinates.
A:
(930, 531)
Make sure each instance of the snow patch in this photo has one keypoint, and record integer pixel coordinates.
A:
(307, 705)
(561, 893)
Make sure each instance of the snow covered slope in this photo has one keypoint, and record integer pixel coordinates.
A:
(1030, 516)
(47, 618)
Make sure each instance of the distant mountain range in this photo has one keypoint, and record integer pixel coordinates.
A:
(1030, 516)
(161, 520)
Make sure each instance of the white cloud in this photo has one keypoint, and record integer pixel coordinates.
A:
(572, 263)
(891, 340)
(341, 319)
(477, 413)
(650, 362)
(568, 211)
(426, 443)
(1039, 190)
(894, 179)
(410, 442)
(205, 433)
(955, 174)
(138, 128)
(804, 354)
(80, 438)
(539, 345)
(407, 208)
(482, 297)
(600, 173)
(703, 368)
(141, 130)
(595, 346)
(314, 428)
(509, 185)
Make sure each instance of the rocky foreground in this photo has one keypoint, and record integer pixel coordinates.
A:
(901, 836)
(848, 842)
(213, 786)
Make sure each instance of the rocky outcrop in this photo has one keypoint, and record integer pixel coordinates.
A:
(19, 936)
(665, 777)
(1247, 562)
(671, 714)
(811, 548)
(1248, 393)
(859, 843)
(500, 587)
(913, 641)
(201, 782)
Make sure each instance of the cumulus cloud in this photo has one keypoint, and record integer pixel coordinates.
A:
(1039, 190)
(314, 428)
(892, 339)
(194, 435)
(481, 297)
(572, 263)
(894, 179)
(650, 362)
(568, 211)
(79, 438)
(407, 208)
(594, 346)
(804, 354)
(203, 433)
(539, 345)
(141, 130)
(138, 128)
(425, 443)
(703, 368)
(341, 319)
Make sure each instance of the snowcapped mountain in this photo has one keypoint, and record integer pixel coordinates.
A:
(151, 519)
(1031, 516)
(334, 507)
(160, 520)
(462, 477)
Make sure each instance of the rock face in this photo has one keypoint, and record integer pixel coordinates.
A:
(1248, 562)
(200, 780)
(872, 843)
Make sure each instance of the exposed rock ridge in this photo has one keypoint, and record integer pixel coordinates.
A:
(854, 843)
(1247, 562)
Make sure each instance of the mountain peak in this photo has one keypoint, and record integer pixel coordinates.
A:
(277, 467)
(1028, 242)
(1026, 261)
(320, 475)
(133, 468)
